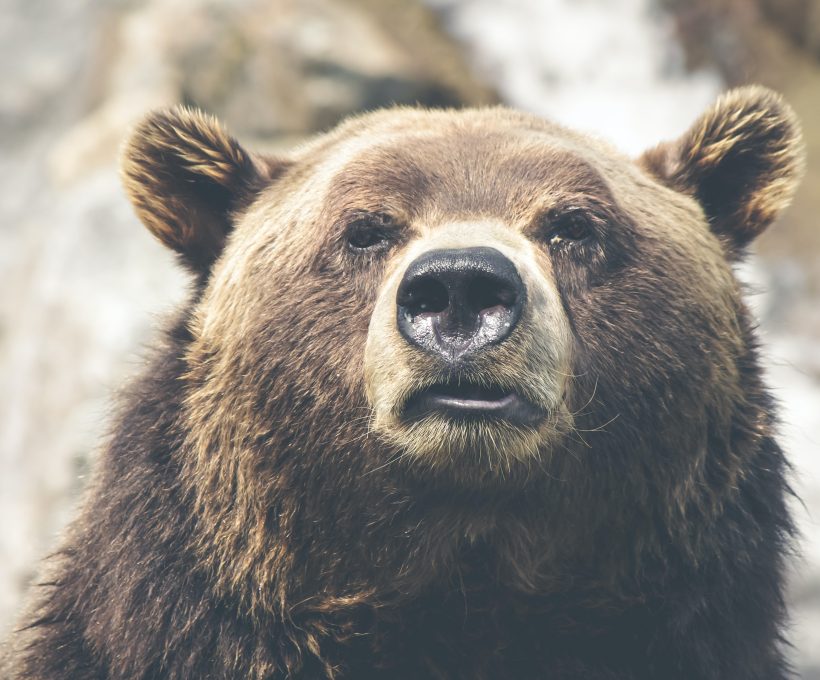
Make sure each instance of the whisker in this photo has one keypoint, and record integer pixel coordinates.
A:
(600, 428)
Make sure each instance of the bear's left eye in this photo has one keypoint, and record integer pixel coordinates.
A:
(571, 225)
(369, 232)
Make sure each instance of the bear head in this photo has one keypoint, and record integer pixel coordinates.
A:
(468, 301)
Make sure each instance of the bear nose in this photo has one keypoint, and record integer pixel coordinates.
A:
(457, 301)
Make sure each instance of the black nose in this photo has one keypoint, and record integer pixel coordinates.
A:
(458, 301)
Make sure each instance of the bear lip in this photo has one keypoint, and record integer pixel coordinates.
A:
(467, 400)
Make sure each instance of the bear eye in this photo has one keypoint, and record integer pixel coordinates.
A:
(370, 232)
(571, 225)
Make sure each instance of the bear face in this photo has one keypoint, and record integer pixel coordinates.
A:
(627, 313)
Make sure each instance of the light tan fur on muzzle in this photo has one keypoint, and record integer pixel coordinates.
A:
(533, 362)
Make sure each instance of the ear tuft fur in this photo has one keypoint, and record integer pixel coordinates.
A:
(187, 177)
(742, 160)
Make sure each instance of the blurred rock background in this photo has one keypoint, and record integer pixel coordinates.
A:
(85, 287)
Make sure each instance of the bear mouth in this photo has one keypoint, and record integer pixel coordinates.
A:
(466, 401)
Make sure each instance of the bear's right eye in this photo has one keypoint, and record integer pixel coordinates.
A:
(371, 232)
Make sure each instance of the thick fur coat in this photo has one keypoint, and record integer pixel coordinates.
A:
(262, 510)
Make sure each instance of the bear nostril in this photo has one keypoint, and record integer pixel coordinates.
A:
(425, 296)
(487, 292)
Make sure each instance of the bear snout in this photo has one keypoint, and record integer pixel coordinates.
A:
(455, 302)
(468, 349)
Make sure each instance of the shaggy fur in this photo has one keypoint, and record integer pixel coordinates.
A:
(186, 176)
(259, 513)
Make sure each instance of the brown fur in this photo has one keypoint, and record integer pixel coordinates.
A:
(185, 176)
(262, 511)
(742, 160)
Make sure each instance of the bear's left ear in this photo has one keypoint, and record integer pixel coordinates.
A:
(742, 160)
(187, 178)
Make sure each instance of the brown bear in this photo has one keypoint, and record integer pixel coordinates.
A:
(457, 394)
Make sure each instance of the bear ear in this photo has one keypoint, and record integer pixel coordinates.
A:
(742, 160)
(187, 178)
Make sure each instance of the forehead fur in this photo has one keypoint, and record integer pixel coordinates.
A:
(482, 161)
(474, 150)
(436, 166)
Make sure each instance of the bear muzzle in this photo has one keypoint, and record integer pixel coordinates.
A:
(454, 303)
(468, 348)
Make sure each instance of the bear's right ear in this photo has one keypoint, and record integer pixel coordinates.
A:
(187, 177)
